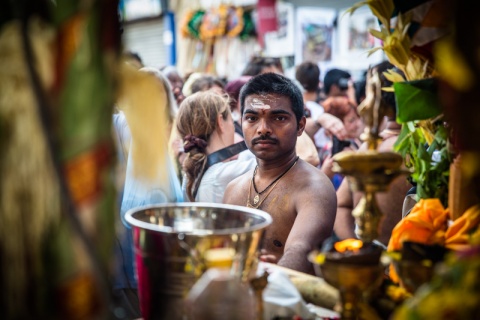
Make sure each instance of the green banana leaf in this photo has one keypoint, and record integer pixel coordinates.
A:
(417, 100)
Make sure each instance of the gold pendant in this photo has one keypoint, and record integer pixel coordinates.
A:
(256, 199)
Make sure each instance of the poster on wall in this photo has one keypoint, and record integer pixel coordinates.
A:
(316, 29)
(355, 40)
(281, 43)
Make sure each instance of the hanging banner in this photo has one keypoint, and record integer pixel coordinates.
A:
(267, 19)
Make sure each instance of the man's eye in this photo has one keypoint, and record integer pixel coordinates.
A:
(280, 118)
(250, 118)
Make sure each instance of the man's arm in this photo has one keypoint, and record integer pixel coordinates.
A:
(344, 222)
(313, 224)
(391, 202)
(391, 205)
(332, 125)
(307, 150)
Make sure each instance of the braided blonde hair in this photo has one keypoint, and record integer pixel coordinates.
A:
(196, 121)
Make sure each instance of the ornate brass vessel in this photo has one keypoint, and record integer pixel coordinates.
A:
(355, 281)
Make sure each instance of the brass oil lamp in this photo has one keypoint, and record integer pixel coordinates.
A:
(369, 171)
(354, 266)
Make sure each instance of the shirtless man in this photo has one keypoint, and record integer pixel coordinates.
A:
(298, 196)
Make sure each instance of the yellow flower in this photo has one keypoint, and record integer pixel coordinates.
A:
(397, 50)
(416, 68)
(393, 76)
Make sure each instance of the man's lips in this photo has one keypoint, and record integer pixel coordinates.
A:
(264, 141)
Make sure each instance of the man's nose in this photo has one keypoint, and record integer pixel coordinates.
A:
(263, 127)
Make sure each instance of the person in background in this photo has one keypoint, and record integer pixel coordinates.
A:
(390, 202)
(319, 123)
(308, 75)
(205, 124)
(176, 82)
(342, 108)
(298, 196)
(339, 82)
(258, 65)
(121, 133)
(208, 82)
(233, 90)
(196, 82)
(189, 79)
(360, 89)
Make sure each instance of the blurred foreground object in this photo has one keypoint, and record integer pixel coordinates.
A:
(452, 294)
(57, 196)
(174, 244)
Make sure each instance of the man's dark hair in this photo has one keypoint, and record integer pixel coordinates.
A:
(274, 83)
(332, 77)
(308, 74)
(360, 92)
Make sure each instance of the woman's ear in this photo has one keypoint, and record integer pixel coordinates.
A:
(220, 123)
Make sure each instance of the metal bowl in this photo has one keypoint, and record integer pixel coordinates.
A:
(171, 244)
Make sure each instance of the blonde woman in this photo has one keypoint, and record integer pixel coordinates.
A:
(205, 124)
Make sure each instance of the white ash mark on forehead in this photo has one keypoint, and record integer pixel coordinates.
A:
(264, 102)
(259, 104)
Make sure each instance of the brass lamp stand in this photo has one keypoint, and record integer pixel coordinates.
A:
(369, 171)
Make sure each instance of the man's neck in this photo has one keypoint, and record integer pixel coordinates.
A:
(310, 96)
(273, 167)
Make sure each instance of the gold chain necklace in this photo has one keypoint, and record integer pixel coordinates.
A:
(256, 200)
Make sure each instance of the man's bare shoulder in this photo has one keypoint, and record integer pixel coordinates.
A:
(309, 177)
(237, 187)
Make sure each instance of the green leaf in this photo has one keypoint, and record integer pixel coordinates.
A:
(441, 135)
(402, 142)
(417, 100)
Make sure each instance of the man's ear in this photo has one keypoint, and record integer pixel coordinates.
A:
(301, 126)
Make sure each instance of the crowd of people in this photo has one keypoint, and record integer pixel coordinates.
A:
(262, 140)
